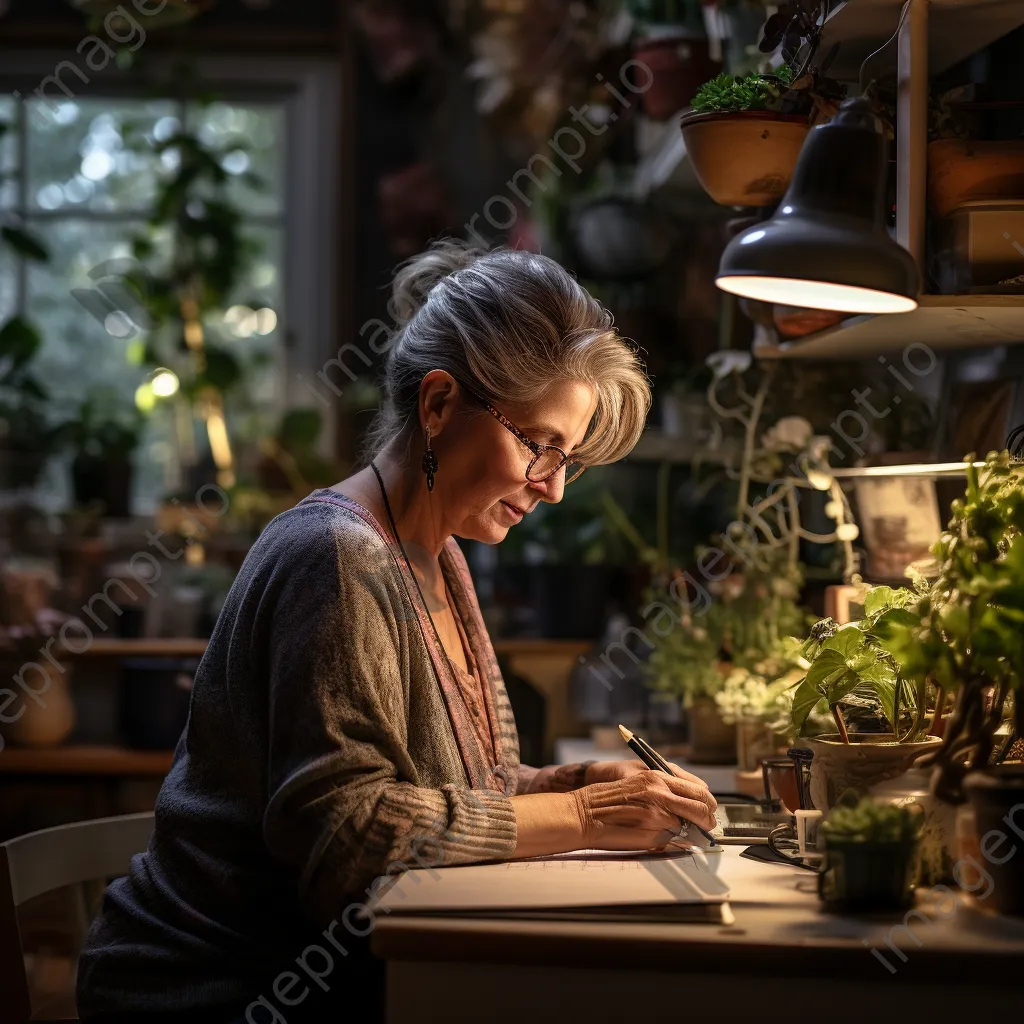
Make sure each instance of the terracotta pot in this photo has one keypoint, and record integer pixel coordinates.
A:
(679, 66)
(744, 158)
(961, 171)
(865, 761)
(45, 720)
(711, 740)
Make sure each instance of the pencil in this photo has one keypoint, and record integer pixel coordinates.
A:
(656, 762)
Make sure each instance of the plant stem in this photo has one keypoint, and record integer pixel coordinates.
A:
(940, 701)
(749, 440)
(837, 715)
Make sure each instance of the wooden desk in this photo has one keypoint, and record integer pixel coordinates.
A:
(783, 957)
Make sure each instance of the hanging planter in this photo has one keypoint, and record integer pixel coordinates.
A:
(678, 65)
(744, 157)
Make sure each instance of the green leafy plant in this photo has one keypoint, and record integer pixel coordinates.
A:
(210, 252)
(26, 433)
(866, 820)
(756, 91)
(106, 427)
(966, 633)
(852, 658)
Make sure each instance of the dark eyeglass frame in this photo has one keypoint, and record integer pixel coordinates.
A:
(535, 447)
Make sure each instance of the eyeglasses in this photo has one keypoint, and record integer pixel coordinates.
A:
(547, 459)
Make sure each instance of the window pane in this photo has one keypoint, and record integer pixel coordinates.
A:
(8, 153)
(252, 324)
(81, 347)
(260, 129)
(79, 158)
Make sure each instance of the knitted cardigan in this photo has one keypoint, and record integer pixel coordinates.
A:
(327, 740)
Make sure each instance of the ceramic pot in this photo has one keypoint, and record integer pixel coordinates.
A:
(867, 876)
(678, 67)
(937, 849)
(711, 740)
(961, 171)
(43, 722)
(868, 759)
(997, 796)
(746, 157)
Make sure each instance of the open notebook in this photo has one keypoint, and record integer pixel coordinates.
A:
(673, 885)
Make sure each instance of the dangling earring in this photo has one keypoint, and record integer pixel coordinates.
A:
(429, 463)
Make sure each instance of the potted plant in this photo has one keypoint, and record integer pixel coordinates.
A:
(672, 44)
(755, 700)
(966, 638)
(27, 439)
(744, 133)
(849, 666)
(869, 855)
(103, 438)
(964, 170)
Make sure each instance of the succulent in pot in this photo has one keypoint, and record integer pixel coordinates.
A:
(870, 850)
(744, 133)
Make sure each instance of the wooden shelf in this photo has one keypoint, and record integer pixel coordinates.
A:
(144, 647)
(195, 647)
(941, 322)
(958, 29)
(85, 760)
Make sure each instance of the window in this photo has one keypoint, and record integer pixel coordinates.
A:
(81, 188)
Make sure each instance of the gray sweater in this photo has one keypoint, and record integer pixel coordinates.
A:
(326, 740)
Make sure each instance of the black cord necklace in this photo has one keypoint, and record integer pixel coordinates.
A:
(401, 547)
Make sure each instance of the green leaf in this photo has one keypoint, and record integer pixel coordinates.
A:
(825, 667)
(223, 370)
(804, 700)
(851, 645)
(19, 341)
(841, 685)
(25, 245)
(881, 677)
(877, 599)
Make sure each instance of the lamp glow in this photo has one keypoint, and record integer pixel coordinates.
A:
(788, 291)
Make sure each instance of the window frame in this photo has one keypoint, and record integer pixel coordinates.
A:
(309, 91)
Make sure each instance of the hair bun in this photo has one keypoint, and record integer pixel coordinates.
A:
(417, 276)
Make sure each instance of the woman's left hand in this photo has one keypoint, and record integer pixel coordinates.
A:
(610, 771)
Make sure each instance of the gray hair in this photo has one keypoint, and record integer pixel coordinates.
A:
(508, 324)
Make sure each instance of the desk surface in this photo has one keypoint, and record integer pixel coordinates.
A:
(779, 928)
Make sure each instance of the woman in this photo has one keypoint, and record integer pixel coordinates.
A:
(349, 718)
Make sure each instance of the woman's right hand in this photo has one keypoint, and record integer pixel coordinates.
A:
(641, 811)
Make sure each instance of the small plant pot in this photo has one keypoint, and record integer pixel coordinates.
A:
(961, 171)
(711, 740)
(866, 875)
(997, 796)
(746, 157)
(45, 719)
(864, 762)
(678, 66)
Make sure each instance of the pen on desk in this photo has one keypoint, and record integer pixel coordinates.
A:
(656, 762)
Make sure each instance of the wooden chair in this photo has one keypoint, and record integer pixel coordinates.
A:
(50, 859)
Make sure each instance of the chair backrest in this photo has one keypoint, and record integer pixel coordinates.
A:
(50, 859)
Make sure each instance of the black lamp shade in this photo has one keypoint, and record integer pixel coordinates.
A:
(827, 245)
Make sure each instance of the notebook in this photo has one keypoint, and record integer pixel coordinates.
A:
(675, 885)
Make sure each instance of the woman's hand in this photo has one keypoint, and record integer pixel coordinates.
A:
(641, 810)
(611, 771)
